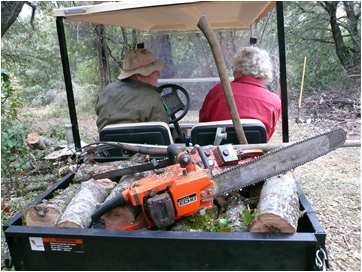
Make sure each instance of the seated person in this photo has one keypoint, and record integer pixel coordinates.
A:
(252, 69)
(133, 97)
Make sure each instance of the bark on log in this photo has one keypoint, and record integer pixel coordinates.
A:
(118, 218)
(47, 213)
(86, 171)
(278, 207)
(79, 211)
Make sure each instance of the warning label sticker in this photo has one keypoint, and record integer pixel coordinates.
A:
(56, 244)
(36, 243)
(63, 244)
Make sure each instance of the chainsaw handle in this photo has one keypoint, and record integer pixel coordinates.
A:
(118, 200)
(173, 151)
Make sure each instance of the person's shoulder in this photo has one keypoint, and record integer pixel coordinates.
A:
(216, 88)
(113, 85)
(273, 98)
(273, 95)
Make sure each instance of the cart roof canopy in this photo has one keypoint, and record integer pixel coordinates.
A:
(161, 15)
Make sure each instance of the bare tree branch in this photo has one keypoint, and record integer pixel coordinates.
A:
(317, 40)
(119, 63)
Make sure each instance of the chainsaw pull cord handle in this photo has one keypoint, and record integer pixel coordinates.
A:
(118, 200)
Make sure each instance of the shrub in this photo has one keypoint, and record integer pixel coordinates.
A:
(13, 148)
(11, 101)
(87, 72)
(14, 152)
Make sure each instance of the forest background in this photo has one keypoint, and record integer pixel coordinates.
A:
(327, 33)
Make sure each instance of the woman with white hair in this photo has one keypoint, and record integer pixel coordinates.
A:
(252, 70)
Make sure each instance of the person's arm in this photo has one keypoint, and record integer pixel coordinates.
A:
(204, 111)
(275, 116)
(158, 112)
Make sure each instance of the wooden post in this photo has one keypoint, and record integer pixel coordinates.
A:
(204, 26)
(301, 88)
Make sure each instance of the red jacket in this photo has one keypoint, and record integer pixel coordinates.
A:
(252, 100)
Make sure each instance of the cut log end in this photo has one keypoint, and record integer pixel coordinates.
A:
(106, 184)
(271, 223)
(118, 218)
(47, 213)
(42, 216)
(35, 141)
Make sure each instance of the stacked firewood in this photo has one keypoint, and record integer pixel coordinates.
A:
(277, 207)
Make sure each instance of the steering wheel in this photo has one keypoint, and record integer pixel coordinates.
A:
(174, 104)
(172, 101)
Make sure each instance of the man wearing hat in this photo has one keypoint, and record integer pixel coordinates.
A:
(133, 97)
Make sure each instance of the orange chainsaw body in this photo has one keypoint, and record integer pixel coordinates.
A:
(190, 187)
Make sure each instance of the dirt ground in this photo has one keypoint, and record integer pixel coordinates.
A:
(331, 183)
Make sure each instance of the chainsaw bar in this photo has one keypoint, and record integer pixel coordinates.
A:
(278, 161)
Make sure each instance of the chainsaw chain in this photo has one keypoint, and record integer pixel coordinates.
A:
(335, 141)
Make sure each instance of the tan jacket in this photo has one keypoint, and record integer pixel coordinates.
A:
(129, 101)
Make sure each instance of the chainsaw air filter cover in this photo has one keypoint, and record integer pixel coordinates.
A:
(161, 210)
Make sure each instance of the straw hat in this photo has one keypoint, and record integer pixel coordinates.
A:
(139, 61)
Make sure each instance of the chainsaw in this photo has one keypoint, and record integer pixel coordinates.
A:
(199, 176)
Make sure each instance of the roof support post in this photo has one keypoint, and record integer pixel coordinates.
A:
(68, 82)
(282, 70)
(204, 26)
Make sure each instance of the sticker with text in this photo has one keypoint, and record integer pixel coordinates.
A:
(63, 244)
(36, 243)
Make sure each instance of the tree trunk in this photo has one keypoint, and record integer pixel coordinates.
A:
(352, 23)
(349, 57)
(103, 61)
(79, 211)
(161, 47)
(9, 12)
(47, 213)
(278, 207)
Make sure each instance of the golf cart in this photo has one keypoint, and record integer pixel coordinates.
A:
(43, 248)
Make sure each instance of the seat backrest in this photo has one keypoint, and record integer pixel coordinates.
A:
(156, 133)
(204, 133)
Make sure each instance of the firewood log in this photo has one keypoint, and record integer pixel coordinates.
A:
(35, 141)
(47, 213)
(79, 211)
(118, 217)
(278, 207)
(87, 170)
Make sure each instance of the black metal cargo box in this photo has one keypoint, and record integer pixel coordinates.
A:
(39, 248)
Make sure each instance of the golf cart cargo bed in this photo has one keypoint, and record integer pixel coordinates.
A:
(38, 248)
